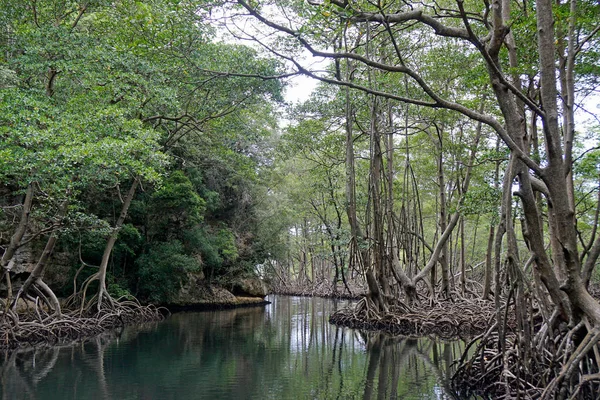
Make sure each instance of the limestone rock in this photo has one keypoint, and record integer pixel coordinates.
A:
(56, 274)
(196, 292)
(250, 287)
(24, 260)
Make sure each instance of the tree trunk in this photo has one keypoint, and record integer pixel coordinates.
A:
(381, 291)
(487, 279)
(557, 170)
(15, 240)
(490, 246)
(111, 243)
(463, 272)
(389, 203)
(36, 275)
(443, 217)
(355, 231)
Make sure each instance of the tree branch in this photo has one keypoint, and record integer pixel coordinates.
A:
(438, 102)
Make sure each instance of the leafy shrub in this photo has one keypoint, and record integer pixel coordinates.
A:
(161, 271)
(175, 205)
(216, 247)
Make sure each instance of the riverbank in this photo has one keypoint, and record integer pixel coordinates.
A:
(237, 302)
(32, 326)
(447, 319)
(323, 290)
(198, 294)
(493, 364)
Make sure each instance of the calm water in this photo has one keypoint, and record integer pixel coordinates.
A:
(286, 350)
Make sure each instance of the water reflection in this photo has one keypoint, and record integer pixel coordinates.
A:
(286, 350)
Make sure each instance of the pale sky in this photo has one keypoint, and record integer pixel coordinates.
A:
(299, 89)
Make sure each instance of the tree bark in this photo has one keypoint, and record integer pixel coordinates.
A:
(443, 215)
(487, 278)
(36, 275)
(556, 172)
(111, 243)
(15, 240)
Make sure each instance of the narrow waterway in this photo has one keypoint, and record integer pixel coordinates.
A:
(286, 350)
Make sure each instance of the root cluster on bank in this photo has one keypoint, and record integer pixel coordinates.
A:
(321, 289)
(36, 325)
(557, 365)
(445, 319)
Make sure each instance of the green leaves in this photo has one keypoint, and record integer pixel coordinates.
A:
(162, 270)
(97, 94)
(174, 207)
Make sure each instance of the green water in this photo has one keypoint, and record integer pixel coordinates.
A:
(286, 350)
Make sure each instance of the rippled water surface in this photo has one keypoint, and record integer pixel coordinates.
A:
(286, 350)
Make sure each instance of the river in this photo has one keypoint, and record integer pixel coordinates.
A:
(285, 350)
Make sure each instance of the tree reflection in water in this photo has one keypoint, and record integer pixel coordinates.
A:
(286, 350)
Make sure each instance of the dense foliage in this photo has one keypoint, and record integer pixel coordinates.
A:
(102, 100)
